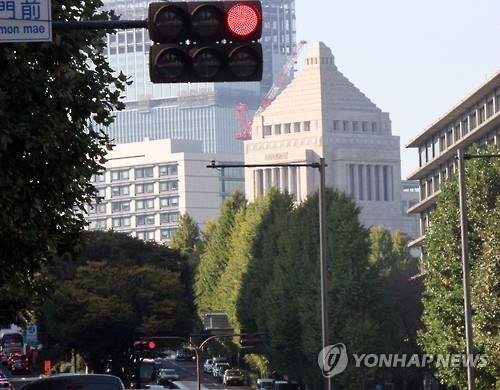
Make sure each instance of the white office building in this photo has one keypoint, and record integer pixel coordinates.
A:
(147, 185)
(322, 114)
(473, 120)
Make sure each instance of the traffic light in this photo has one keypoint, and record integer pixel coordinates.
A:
(144, 347)
(205, 41)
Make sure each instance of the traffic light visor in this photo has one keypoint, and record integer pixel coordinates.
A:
(243, 20)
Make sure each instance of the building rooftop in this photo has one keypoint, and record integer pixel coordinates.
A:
(463, 105)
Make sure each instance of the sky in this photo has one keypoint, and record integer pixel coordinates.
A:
(413, 59)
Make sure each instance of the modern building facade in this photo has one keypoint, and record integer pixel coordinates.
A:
(198, 111)
(474, 120)
(147, 185)
(322, 114)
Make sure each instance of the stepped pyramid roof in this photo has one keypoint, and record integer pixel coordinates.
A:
(319, 86)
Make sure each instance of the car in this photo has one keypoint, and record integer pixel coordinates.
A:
(5, 384)
(166, 376)
(219, 369)
(208, 366)
(215, 368)
(184, 354)
(233, 376)
(19, 366)
(14, 356)
(76, 381)
(265, 384)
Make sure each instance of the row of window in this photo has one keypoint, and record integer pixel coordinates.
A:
(458, 129)
(287, 128)
(432, 183)
(354, 126)
(145, 235)
(141, 188)
(140, 204)
(139, 173)
(145, 220)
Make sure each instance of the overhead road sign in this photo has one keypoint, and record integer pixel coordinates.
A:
(25, 21)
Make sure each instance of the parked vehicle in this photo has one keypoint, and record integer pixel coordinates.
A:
(234, 377)
(208, 366)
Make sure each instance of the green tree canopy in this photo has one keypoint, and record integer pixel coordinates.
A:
(118, 290)
(443, 316)
(54, 97)
(216, 253)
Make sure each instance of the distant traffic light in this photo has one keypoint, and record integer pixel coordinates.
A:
(205, 41)
(144, 347)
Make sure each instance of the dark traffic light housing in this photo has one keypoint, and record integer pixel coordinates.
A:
(144, 347)
(205, 41)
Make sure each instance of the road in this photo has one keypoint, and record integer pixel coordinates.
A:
(17, 380)
(187, 373)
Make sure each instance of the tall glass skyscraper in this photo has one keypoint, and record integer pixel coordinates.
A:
(198, 111)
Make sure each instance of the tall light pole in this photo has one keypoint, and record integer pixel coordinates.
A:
(464, 230)
(322, 240)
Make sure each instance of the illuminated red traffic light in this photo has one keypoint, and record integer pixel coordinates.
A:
(205, 41)
(243, 20)
(151, 345)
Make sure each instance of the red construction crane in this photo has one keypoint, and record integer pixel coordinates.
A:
(242, 116)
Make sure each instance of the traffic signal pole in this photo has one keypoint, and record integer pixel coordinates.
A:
(99, 24)
(325, 331)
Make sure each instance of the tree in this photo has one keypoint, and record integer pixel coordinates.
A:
(215, 255)
(397, 309)
(187, 241)
(54, 98)
(118, 290)
(443, 317)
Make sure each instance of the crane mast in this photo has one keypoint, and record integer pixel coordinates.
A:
(242, 116)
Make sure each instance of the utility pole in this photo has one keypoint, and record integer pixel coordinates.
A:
(466, 271)
(323, 263)
(322, 240)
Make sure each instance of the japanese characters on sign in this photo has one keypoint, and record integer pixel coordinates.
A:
(25, 21)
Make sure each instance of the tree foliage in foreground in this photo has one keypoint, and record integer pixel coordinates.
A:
(118, 290)
(443, 317)
(53, 98)
(270, 283)
(216, 253)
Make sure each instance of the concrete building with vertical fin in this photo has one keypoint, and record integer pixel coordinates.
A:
(322, 114)
(473, 120)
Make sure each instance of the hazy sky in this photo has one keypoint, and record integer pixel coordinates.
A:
(413, 59)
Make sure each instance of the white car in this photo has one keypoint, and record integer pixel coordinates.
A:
(208, 366)
(219, 369)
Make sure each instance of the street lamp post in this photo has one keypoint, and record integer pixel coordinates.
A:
(464, 230)
(466, 271)
(322, 240)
